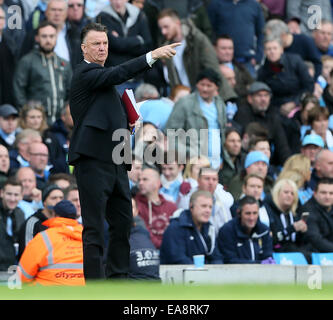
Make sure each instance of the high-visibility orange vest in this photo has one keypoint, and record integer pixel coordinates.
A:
(54, 256)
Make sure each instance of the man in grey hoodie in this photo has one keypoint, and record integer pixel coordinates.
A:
(128, 33)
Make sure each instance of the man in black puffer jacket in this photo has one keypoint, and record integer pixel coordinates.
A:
(245, 239)
(320, 221)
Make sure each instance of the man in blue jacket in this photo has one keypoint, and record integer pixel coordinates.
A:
(191, 234)
(245, 239)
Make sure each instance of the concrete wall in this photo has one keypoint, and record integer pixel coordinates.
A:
(237, 274)
(244, 274)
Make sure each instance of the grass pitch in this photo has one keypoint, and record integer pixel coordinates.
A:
(155, 291)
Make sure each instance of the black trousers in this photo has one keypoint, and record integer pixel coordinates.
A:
(104, 194)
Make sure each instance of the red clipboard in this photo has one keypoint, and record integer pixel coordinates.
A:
(131, 106)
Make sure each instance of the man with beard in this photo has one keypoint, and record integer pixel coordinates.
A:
(42, 75)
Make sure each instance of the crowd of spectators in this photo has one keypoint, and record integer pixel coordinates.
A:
(250, 89)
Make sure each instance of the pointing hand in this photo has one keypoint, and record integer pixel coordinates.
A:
(167, 51)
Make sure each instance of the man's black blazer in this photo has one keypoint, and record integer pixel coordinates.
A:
(97, 109)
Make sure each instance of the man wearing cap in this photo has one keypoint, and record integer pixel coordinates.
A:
(311, 145)
(8, 125)
(203, 109)
(255, 163)
(55, 256)
(51, 195)
(257, 110)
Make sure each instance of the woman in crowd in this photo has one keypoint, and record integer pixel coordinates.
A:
(33, 116)
(287, 231)
(298, 169)
(285, 73)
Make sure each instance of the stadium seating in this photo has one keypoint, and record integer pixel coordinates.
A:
(322, 259)
(289, 258)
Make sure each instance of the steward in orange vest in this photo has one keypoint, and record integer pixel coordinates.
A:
(55, 256)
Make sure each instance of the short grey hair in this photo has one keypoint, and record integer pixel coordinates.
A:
(273, 37)
(144, 90)
(276, 27)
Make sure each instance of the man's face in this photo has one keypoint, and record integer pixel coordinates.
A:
(323, 36)
(264, 147)
(171, 171)
(135, 172)
(201, 210)
(118, 5)
(170, 28)
(324, 165)
(259, 101)
(56, 13)
(324, 194)
(273, 51)
(310, 151)
(11, 195)
(24, 144)
(249, 216)
(73, 197)
(95, 47)
(8, 124)
(53, 198)
(4, 159)
(254, 187)
(149, 182)
(259, 167)
(208, 181)
(28, 180)
(225, 50)
(294, 27)
(47, 39)
(233, 144)
(38, 157)
(75, 10)
(207, 89)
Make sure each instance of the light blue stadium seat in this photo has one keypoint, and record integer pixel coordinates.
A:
(322, 259)
(289, 258)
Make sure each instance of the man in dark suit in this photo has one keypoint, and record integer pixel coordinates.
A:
(103, 185)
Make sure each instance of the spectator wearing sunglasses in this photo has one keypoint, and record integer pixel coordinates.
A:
(76, 14)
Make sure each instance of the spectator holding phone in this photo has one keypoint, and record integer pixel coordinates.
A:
(288, 231)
